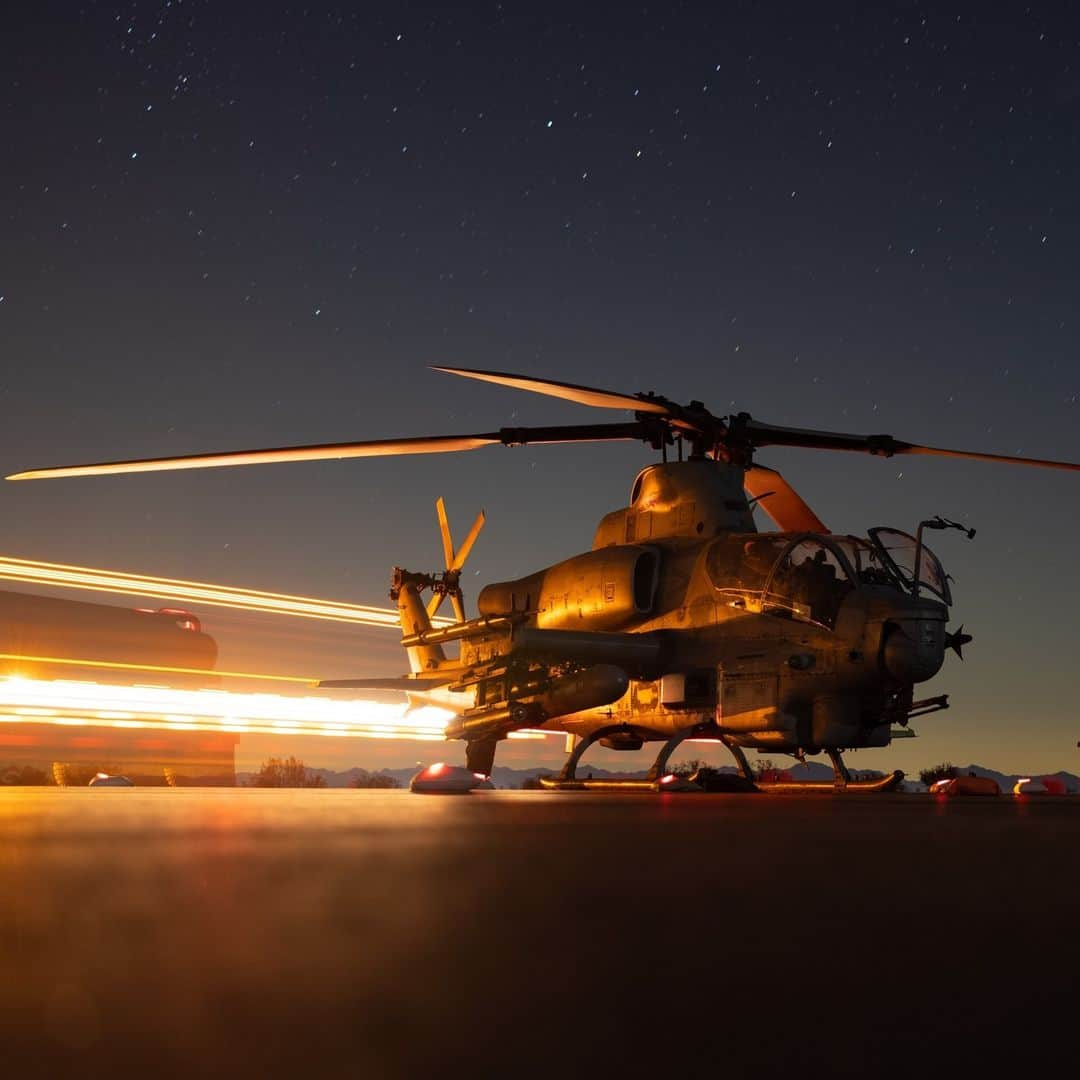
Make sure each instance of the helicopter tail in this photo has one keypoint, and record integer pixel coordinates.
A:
(429, 667)
(406, 587)
(405, 590)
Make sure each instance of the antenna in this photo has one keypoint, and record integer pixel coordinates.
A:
(937, 522)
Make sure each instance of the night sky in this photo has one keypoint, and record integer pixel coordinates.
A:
(230, 226)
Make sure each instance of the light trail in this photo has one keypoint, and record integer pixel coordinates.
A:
(67, 703)
(70, 703)
(163, 669)
(33, 572)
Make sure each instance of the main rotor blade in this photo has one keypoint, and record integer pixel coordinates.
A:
(428, 444)
(781, 501)
(883, 445)
(583, 395)
(1042, 463)
(436, 444)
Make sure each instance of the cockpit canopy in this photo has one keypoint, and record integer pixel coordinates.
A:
(806, 576)
(900, 552)
(803, 577)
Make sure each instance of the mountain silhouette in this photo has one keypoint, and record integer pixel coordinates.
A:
(506, 777)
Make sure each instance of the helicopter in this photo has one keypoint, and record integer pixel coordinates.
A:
(683, 621)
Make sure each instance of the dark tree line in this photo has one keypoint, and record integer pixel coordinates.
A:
(945, 771)
(288, 772)
(291, 772)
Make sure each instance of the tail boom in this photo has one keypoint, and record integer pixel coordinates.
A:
(415, 621)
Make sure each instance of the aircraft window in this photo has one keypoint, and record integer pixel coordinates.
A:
(742, 563)
(809, 582)
(898, 550)
(871, 566)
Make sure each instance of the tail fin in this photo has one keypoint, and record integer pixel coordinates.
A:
(415, 620)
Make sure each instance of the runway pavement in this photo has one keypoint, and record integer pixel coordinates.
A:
(383, 934)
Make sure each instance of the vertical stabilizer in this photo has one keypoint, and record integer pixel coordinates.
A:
(415, 620)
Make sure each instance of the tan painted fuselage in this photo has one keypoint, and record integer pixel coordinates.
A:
(682, 615)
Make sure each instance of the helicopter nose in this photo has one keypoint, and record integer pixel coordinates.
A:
(913, 649)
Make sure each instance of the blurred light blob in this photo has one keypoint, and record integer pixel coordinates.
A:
(965, 785)
(70, 703)
(444, 779)
(106, 780)
(1027, 785)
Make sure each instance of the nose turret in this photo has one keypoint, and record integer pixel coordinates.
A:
(913, 640)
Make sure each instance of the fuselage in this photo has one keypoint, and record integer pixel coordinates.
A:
(785, 640)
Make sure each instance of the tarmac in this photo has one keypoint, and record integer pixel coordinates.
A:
(383, 934)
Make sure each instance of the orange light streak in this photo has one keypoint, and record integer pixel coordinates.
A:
(72, 703)
(30, 571)
(117, 665)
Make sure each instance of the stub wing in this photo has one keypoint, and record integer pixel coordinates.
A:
(401, 682)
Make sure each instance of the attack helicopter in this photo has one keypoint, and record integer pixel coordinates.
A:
(683, 620)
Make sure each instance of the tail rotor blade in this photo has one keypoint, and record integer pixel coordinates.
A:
(467, 546)
(444, 529)
(454, 562)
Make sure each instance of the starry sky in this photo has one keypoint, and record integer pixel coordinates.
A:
(232, 226)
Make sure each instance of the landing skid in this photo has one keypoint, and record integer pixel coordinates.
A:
(659, 780)
(553, 783)
(798, 787)
(842, 781)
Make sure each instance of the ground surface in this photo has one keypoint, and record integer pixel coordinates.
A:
(386, 934)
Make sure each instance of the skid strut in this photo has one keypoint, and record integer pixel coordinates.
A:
(659, 766)
(739, 754)
(480, 754)
(567, 780)
(841, 776)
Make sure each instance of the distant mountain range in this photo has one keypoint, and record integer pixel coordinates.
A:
(506, 777)
(503, 776)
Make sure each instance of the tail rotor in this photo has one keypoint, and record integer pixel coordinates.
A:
(450, 583)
